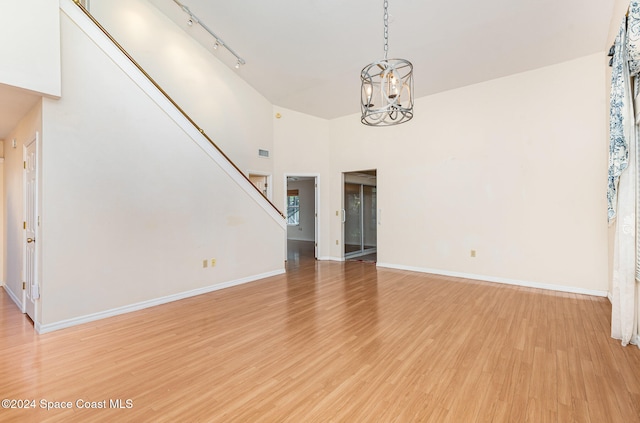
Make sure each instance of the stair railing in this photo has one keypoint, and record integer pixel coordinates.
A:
(172, 101)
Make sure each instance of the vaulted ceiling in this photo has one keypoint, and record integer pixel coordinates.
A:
(307, 55)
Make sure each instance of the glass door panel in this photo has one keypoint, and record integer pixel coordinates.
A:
(353, 218)
(360, 226)
(369, 219)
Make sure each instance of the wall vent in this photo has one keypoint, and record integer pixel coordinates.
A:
(263, 153)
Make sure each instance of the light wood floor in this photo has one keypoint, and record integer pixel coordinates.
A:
(333, 342)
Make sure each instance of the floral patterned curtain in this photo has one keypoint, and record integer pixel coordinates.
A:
(633, 38)
(622, 194)
(618, 143)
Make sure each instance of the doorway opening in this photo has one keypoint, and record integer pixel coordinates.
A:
(301, 205)
(262, 181)
(360, 230)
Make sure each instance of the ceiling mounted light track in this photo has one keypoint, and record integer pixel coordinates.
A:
(386, 94)
(193, 19)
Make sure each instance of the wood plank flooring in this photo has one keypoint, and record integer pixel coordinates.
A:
(332, 342)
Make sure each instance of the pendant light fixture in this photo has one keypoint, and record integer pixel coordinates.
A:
(386, 95)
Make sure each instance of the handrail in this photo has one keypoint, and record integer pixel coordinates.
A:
(172, 101)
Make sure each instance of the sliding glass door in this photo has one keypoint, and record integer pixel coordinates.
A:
(360, 230)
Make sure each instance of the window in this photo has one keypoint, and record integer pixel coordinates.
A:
(293, 207)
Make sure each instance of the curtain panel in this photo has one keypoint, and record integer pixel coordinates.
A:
(622, 195)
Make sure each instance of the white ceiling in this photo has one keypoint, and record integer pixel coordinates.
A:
(307, 55)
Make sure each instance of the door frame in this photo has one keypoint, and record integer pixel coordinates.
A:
(343, 218)
(32, 313)
(266, 175)
(316, 177)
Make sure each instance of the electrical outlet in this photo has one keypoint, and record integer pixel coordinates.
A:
(205, 263)
(213, 262)
(337, 242)
(473, 253)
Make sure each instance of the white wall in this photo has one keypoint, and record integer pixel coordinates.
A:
(231, 112)
(131, 206)
(305, 231)
(514, 168)
(30, 49)
(490, 164)
(303, 148)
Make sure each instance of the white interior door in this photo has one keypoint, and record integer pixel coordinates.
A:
(31, 228)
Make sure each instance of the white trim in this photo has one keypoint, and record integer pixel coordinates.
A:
(528, 284)
(151, 303)
(610, 297)
(346, 256)
(78, 17)
(331, 258)
(13, 297)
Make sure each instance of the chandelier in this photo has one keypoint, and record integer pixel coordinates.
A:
(386, 95)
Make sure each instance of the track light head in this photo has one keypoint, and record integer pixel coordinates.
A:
(218, 42)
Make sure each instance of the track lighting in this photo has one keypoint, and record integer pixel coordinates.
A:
(193, 19)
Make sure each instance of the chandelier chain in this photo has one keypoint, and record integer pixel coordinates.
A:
(386, 29)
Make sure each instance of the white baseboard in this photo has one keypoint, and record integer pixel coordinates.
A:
(610, 297)
(330, 258)
(14, 298)
(528, 284)
(50, 327)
